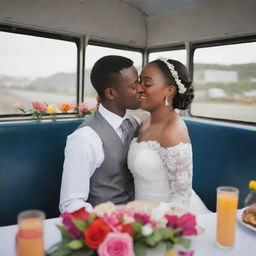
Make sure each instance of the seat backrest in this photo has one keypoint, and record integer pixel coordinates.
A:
(32, 155)
(31, 161)
(222, 156)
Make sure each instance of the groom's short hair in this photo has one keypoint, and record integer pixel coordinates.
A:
(106, 71)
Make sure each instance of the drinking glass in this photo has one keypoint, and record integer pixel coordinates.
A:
(29, 238)
(227, 201)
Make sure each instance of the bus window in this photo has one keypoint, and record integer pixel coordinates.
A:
(179, 55)
(35, 68)
(225, 82)
(93, 53)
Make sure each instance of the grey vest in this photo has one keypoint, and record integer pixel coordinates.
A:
(112, 181)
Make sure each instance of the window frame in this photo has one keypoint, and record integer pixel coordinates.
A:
(172, 47)
(116, 46)
(81, 42)
(49, 35)
(93, 42)
(212, 43)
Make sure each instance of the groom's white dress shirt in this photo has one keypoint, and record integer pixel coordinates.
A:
(83, 155)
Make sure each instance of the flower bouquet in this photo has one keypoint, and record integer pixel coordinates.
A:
(111, 230)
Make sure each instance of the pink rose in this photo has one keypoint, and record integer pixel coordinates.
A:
(143, 218)
(112, 221)
(122, 211)
(188, 224)
(18, 106)
(39, 106)
(116, 244)
(83, 107)
(73, 105)
(172, 220)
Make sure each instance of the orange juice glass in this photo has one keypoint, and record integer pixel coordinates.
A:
(29, 238)
(227, 201)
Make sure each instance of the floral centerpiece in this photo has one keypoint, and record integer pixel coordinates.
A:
(251, 197)
(111, 230)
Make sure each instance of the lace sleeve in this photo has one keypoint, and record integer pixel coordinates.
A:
(178, 160)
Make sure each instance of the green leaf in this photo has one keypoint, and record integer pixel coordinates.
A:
(81, 225)
(63, 230)
(169, 245)
(167, 233)
(84, 252)
(91, 218)
(185, 242)
(177, 231)
(155, 238)
(59, 249)
(137, 226)
(75, 244)
(139, 249)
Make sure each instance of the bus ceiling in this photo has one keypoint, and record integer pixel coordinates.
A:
(137, 23)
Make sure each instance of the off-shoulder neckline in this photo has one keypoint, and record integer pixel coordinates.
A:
(135, 139)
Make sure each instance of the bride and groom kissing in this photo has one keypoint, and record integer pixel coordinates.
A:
(113, 157)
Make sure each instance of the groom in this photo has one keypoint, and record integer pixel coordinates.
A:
(95, 168)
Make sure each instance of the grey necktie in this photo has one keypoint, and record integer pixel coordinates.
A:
(126, 130)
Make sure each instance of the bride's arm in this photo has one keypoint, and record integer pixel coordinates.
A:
(178, 160)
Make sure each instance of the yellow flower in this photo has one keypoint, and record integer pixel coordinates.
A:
(51, 109)
(252, 184)
(171, 252)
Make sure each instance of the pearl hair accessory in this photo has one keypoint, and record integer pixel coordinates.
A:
(175, 75)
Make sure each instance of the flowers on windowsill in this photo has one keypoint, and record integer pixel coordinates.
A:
(111, 230)
(251, 197)
(39, 109)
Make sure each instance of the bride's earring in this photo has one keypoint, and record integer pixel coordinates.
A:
(166, 102)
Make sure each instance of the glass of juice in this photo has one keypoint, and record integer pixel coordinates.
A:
(227, 201)
(29, 238)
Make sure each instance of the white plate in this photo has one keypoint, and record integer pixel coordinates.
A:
(240, 219)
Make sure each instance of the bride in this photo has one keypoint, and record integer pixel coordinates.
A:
(160, 158)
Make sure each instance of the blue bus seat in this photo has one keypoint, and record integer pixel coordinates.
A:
(32, 155)
(31, 162)
(222, 156)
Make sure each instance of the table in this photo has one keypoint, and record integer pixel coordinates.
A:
(204, 244)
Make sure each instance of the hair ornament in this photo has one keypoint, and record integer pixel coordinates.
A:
(175, 75)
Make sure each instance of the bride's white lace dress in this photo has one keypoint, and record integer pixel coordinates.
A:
(164, 174)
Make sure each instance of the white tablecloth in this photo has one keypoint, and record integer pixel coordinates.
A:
(204, 244)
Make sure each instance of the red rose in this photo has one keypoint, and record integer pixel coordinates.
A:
(81, 214)
(96, 233)
(127, 228)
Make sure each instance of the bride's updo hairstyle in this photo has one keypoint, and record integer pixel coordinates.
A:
(185, 90)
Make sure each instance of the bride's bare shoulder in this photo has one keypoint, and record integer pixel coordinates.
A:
(174, 133)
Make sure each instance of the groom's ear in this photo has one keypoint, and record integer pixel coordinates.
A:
(110, 93)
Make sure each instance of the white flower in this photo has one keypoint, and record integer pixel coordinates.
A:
(147, 230)
(162, 223)
(158, 213)
(101, 209)
(127, 219)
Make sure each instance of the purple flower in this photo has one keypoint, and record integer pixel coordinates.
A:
(73, 232)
